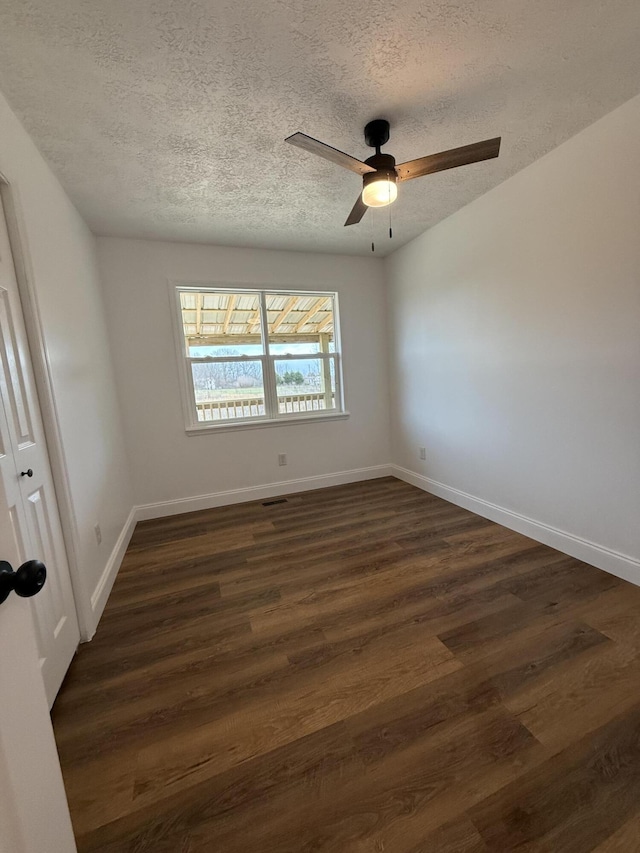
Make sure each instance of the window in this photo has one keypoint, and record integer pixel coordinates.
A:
(252, 356)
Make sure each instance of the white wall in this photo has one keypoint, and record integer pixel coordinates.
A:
(61, 264)
(515, 347)
(169, 465)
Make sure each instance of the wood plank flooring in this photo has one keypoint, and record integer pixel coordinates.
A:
(361, 668)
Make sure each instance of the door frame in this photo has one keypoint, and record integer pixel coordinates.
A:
(41, 364)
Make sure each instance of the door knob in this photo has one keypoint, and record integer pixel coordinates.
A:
(27, 473)
(27, 581)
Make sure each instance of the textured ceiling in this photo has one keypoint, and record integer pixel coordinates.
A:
(166, 118)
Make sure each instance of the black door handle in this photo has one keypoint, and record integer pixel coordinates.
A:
(27, 473)
(27, 581)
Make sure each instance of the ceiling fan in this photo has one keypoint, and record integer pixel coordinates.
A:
(380, 175)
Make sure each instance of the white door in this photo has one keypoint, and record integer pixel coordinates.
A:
(25, 472)
(34, 816)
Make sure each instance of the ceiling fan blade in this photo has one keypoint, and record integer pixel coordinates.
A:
(357, 212)
(485, 150)
(308, 143)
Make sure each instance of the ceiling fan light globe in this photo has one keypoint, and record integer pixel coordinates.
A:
(379, 193)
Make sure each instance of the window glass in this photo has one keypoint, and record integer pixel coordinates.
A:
(227, 390)
(221, 324)
(305, 385)
(303, 323)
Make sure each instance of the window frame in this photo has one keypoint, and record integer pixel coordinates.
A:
(272, 416)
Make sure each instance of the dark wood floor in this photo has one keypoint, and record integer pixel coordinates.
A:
(362, 668)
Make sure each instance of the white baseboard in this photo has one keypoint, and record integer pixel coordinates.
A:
(621, 565)
(108, 576)
(257, 493)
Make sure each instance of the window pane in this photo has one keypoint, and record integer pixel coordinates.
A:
(295, 348)
(228, 390)
(300, 324)
(221, 324)
(305, 385)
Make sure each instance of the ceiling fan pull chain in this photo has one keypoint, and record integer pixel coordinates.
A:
(390, 228)
(371, 218)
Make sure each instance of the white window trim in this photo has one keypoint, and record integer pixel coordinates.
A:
(195, 427)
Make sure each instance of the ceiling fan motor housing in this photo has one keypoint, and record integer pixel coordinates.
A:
(385, 166)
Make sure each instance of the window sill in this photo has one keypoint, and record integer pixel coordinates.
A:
(259, 424)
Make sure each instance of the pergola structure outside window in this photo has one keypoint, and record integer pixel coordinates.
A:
(257, 356)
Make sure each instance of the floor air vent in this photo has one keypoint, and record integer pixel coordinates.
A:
(277, 501)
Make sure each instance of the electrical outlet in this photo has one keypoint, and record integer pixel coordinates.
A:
(98, 533)
(282, 458)
(422, 452)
